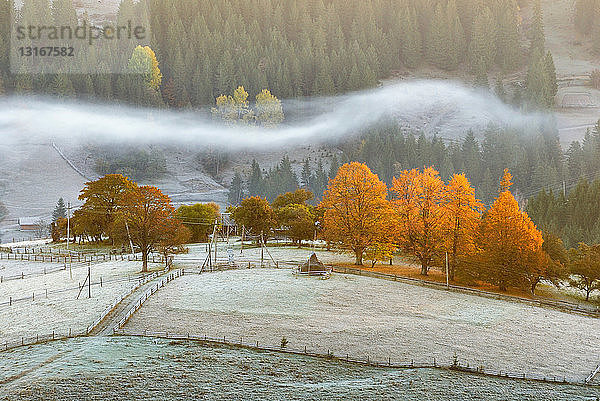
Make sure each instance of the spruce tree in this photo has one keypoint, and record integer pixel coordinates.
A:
(60, 210)
(538, 40)
(305, 175)
(236, 190)
(255, 181)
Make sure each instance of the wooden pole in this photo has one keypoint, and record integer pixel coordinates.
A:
(242, 248)
(215, 238)
(69, 236)
(447, 278)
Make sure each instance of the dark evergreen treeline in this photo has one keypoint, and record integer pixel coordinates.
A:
(574, 217)
(315, 47)
(535, 159)
(293, 47)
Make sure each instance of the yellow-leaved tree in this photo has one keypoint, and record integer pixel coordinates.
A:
(234, 109)
(463, 212)
(143, 61)
(269, 112)
(420, 199)
(357, 214)
(510, 244)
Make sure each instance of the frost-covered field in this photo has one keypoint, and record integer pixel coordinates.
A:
(13, 268)
(125, 368)
(60, 310)
(369, 317)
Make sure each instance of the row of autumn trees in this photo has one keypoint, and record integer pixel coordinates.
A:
(427, 218)
(126, 214)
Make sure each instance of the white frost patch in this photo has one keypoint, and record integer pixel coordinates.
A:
(61, 311)
(377, 318)
(37, 242)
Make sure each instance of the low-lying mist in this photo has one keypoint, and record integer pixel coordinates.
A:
(445, 107)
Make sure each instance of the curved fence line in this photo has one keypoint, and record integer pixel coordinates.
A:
(433, 364)
(554, 304)
(108, 310)
(167, 279)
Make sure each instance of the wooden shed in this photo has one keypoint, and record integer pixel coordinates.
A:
(28, 224)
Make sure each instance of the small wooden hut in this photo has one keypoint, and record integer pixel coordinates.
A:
(313, 267)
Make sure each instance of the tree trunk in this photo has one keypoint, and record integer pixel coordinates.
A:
(587, 295)
(359, 256)
(424, 268)
(144, 260)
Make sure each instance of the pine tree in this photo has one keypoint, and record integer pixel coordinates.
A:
(60, 211)
(508, 38)
(552, 84)
(499, 89)
(482, 49)
(456, 38)
(236, 190)
(255, 181)
(411, 42)
(334, 166)
(538, 39)
(305, 175)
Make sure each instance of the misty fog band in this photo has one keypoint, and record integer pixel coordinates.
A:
(89, 33)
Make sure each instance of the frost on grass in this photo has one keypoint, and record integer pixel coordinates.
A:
(380, 319)
(151, 369)
(60, 310)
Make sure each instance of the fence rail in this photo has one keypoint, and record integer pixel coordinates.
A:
(108, 310)
(76, 257)
(592, 375)
(66, 261)
(554, 304)
(166, 279)
(43, 294)
(365, 361)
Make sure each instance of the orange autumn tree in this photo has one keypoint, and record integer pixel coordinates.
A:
(147, 217)
(510, 244)
(420, 199)
(101, 202)
(463, 212)
(357, 214)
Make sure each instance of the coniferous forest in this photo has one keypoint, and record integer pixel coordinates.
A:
(303, 48)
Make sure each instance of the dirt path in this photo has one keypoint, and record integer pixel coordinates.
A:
(111, 321)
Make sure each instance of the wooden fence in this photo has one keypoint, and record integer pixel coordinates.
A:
(455, 365)
(588, 310)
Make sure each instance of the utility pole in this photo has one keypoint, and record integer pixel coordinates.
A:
(129, 237)
(216, 238)
(90, 280)
(564, 189)
(242, 248)
(262, 249)
(69, 236)
(447, 278)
